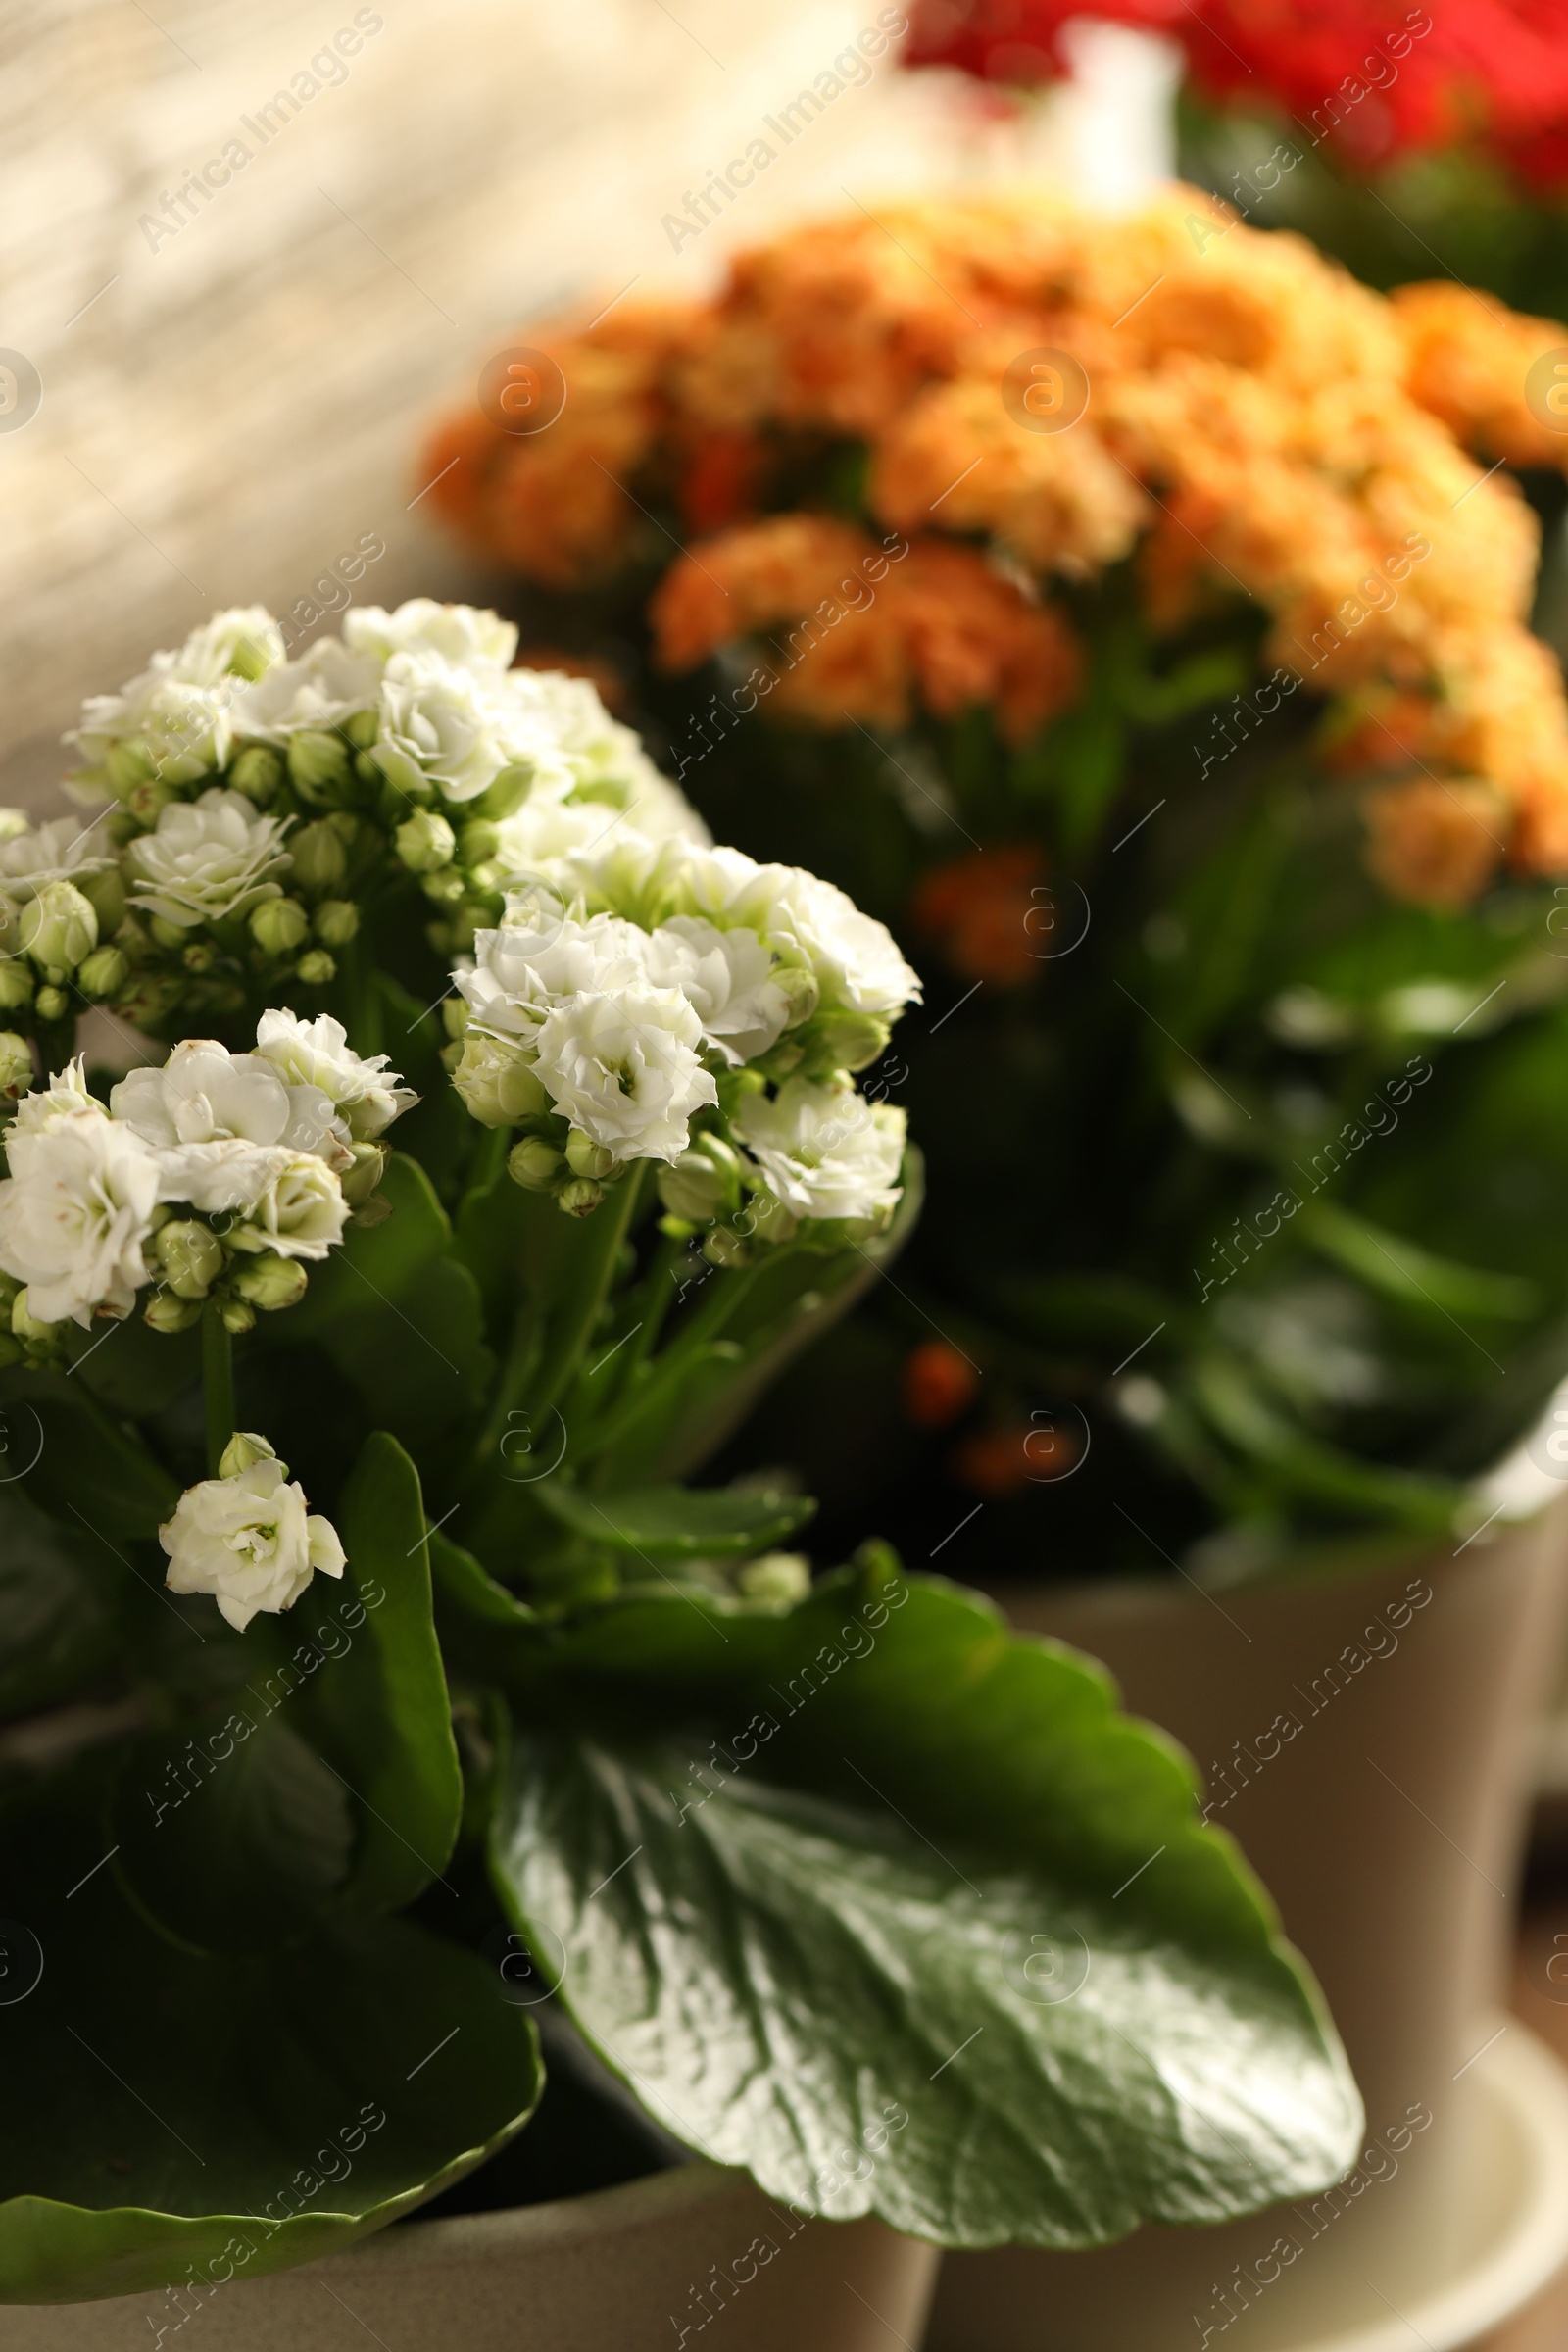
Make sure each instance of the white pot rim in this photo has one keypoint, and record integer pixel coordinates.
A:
(557, 2223)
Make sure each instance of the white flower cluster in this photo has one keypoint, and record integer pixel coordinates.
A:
(246, 1536)
(217, 1172)
(640, 984)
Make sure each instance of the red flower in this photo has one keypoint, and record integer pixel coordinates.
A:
(1378, 77)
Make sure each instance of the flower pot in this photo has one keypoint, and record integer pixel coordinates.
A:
(680, 2257)
(1367, 1735)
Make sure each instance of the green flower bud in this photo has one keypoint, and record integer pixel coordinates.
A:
(103, 973)
(445, 887)
(453, 1015)
(367, 771)
(166, 932)
(534, 1164)
(360, 1181)
(316, 968)
(844, 1041)
(271, 1282)
(199, 956)
(16, 1063)
(506, 793)
(320, 860)
(585, 1158)
(318, 766)
(16, 985)
(257, 772)
(189, 1257)
(780, 1577)
(279, 925)
(337, 921)
(722, 1247)
(106, 893)
(579, 1197)
(424, 842)
(145, 800)
(236, 1315)
(163, 1311)
(800, 986)
(59, 927)
(450, 1056)
(704, 1183)
(126, 764)
(361, 728)
(498, 1082)
(52, 1004)
(480, 841)
(243, 1451)
(35, 1334)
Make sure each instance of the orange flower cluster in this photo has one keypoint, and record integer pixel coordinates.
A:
(1044, 394)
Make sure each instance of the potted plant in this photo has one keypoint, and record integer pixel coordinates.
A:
(1102, 606)
(376, 1701)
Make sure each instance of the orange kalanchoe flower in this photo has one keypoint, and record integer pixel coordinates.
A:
(939, 1384)
(1250, 422)
(848, 628)
(980, 911)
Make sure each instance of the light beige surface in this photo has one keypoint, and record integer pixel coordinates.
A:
(227, 408)
(696, 2256)
(1386, 1828)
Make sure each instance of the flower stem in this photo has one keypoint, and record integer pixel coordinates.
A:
(217, 1384)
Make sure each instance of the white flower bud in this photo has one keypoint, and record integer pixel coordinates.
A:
(189, 1257)
(780, 1577)
(585, 1158)
(16, 985)
(16, 1063)
(59, 927)
(579, 1197)
(318, 765)
(103, 973)
(320, 860)
(279, 925)
(337, 921)
(271, 1282)
(535, 1164)
(498, 1082)
(426, 841)
(704, 1183)
(245, 1448)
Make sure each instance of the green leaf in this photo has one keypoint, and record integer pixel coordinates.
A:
(168, 2115)
(58, 1626)
(227, 1839)
(1416, 1278)
(84, 1468)
(380, 1711)
(921, 1867)
(680, 1523)
(398, 1314)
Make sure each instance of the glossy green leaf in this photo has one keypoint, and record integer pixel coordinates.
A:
(77, 1462)
(231, 1834)
(398, 1315)
(380, 1711)
(679, 1523)
(169, 2117)
(58, 1620)
(875, 1855)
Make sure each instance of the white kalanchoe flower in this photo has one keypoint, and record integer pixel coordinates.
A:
(824, 1151)
(456, 728)
(224, 1179)
(301, 1212)
(367, 1093)
(327, 684)
(62, 850)
(75, 1210)
(183, 728)
(541, 958)
(249, 1539)
(240, 643)
(464, 635)
(727, 977)
(64, 1096)
(204, 1094)
(207, 858)
(853, 958)
(625, 1068)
